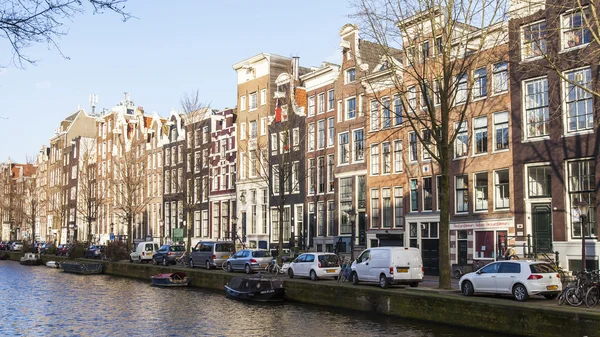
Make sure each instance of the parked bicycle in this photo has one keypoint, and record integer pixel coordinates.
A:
(274, 268)
(345, 270)
(183, 260)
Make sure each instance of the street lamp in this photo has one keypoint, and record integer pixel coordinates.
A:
(234, 228)
(583, 208)
(351, 215)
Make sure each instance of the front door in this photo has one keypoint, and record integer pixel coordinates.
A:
(431, 256)
(501, 241)
(462, 252)
(541, 221)
(362, 229)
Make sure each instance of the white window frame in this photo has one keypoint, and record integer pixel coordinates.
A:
(311, 106)
(499, 78)
(243, 103)
(253, 104)
(564, 30)
(546, 121)
(578, 96)
(263, 96)
(374, 167)
(536, 48)
(347, 134)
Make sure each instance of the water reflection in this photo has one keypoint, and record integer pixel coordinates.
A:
(40, 301)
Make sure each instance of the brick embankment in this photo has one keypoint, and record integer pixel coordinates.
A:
(485, 313)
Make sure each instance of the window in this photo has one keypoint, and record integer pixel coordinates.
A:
(461, 89)
(205, 158)
(340, 112)
(426, 144)
(578, 102)
(438, 187)
(264, 211)
(205, 189)
(311, 106)
(263, 126)
(321, 103)
(398, 208)
(534, 40)
(350, 75)
(499, 77)
(427, 194)
(484, 249)
(461, 141)
(242, 131)
(330, 131)
(344, 148)
(386, 114)
(539, 181)
(374, 159)
(502, 197)
(351, 108)
(215, 179)
(412, 97)
(205, 134)
(242, 165)
(252, 167)
(375, 208)
(330, 168)
(253, 130)
(397, 110)
(330, 217)
(296, 138)
(481, 134)
(311, 136)
(253, 211)
(410, 55)
(330, 100)
(425, 97)
(311, 176)
(582, 186)
(536, 108)
(321, 175)
(412, 144)
(437, 99)
(575, 31)
(397, 156)
(320, 219)
(438, 45)
(273, 143)
(386, 160)
(275, 176)
(481, 191)
(359, 143)
(263, 97)
(253, 102)
(321, 134)
(243, 103)
(462, 194)
(374, 115)
(386, 207)
(480, 83)
(414, 195)
(501, 130)
(425, 50)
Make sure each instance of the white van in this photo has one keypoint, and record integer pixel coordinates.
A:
(388, 265)
(143, 252)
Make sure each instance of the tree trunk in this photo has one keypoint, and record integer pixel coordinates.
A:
(129, 231)
(444, 228)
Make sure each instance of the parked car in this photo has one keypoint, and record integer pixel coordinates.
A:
(519, 278)
(249, 260)
(388, 265)
(211, 253)
(3, 245)
(17, 246)
(46, 247)
(315, 266)
(167, 254)
(143, 252)
(94, 252)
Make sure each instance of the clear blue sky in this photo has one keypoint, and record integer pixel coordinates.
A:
(171, 48)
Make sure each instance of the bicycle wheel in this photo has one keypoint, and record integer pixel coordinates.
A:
(274, 269)
(562, 296)
(574, 296)
(592, 296)
(224, 265)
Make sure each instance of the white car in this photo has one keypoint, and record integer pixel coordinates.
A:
(17, 246)
(315, 266)
(519, 278)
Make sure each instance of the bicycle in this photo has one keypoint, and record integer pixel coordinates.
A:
(345, 271)
(274, 268)
(182, 260)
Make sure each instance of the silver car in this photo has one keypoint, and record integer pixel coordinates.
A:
(17, 246)
(249, 260)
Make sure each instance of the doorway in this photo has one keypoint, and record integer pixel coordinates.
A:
(541, 222)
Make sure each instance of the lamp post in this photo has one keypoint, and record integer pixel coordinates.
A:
(583, 208)
(234, 228)
(351, 215)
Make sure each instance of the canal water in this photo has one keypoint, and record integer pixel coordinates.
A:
(40, 301)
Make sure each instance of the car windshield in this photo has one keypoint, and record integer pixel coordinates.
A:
(261, 253)
(223, 247)
(328, 260)
(177, 248)
(541, 268)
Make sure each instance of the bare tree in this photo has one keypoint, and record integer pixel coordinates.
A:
(465, 34)
(59, 207)
(24, 23)
(90, 195)
(9, 201)
(32, 196)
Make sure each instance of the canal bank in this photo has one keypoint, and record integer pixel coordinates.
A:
(485, 313)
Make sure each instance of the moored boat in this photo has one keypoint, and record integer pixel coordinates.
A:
(256, 289)
(82, 268)
(52, 264)
(177, 279)
(4, 257)
(31, 259)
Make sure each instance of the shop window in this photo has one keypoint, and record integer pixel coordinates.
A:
(413, 235)
(484, 244)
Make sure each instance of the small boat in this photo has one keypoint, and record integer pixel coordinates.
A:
(177, 279)
(82, 268)
(52, 264)
(256, 289)
(4, 257)
(31, 259)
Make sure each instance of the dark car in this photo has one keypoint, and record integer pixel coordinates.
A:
(46, 247)
(94, 252)
(3, 245)
(167, 254)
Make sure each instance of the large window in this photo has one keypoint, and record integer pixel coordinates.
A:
(385, 150)
(481, 134)
(412, 97)
(375, 208)
(500, 77)
(344, 148)
(462, 139)
(351, 108)
(480, 83)
(582, 187)
(461, 89)
(311, 106)
(539, 181)
(321, 103)
(462, 194)
(330, 131)
(330, 100)
(426, 155)
(321, 134)
(345, 204)
(501, 130)
(386, 115)
(398, 208)
(484, 244)
(374, 159)
(534, 40)
(578, 102)
(311, 176)
(321, 219)
(397, 110)
(427, 194)
(311, 136)
(387, 208)
(397, 156)
(575, 30)
(374, 115)
(330, 175)
(536, 108)
(412, 143)
(330, 217)
(321, 175)
(481, 191)
(253, 101)
(502, 187)
(359, 143)
(350, 75)
(414, 195)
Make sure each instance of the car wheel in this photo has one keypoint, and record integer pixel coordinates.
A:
(551, 296)
(229, 267)
(313, 275)
(130, 260)
(354, 278)
(191, 263)
(208, 266)
(414, 284)
(520, 293)
(247, 269)
(154, 261)
(291, 273)
(467, 288)
(165, 263)
(383, 281)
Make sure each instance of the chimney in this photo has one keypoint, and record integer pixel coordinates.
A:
(295, 70)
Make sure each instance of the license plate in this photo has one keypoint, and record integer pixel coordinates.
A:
(402, 270)
(330, 270)
(552, 287)
(263, 265)
(225, 256)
